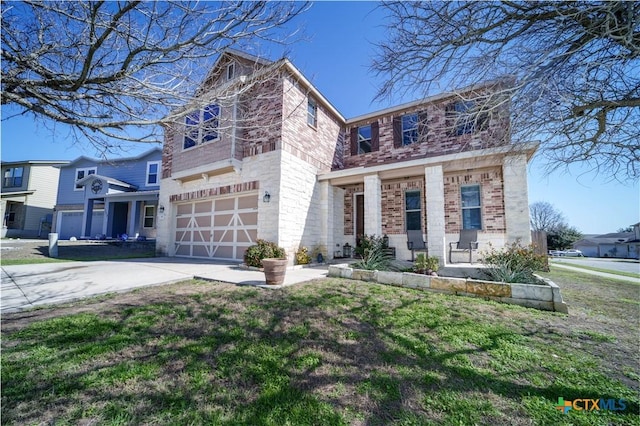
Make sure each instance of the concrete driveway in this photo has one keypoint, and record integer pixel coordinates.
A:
(27, 286)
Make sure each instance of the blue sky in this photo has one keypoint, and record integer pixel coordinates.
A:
(335, 55)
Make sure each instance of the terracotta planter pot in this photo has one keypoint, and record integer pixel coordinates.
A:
(274, 270)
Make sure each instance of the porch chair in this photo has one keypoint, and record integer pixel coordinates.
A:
(468, 240)
(415, 242)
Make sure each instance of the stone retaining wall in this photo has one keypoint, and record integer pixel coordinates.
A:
(543, 297)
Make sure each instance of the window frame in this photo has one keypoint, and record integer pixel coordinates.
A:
(157, 173)
(364, 140)
(151, 216)
(312, 112)
(87, 171)
(198, 128)
(12, 178)
(231, 71)
(408, 211)
(404, 132)
(469, 208)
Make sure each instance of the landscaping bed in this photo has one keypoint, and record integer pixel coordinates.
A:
(545, 297)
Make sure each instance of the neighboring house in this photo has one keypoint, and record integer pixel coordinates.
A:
(271, 158)
(28, 197)
(625, 245)
(109, 198)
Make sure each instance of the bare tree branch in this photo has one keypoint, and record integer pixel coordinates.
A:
(107, 68)
(575, 68)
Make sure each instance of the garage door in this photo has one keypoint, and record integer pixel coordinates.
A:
(71, 224)
(220, 228)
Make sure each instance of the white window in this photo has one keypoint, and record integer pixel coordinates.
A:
(149, 216)
(471, 209)
(231, 71)
(312, 113)
(13, 177)
(80, 173)
(153, 173)
(202, 126)
(409, 129)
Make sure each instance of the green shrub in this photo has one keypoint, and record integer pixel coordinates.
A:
(424, 263)
(513, 264)
(374, 254)
(263, 250)
(302, 256)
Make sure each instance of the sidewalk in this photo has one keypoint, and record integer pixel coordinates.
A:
(597, 273)
(27, 286)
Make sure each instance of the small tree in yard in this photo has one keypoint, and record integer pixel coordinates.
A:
(563, 238)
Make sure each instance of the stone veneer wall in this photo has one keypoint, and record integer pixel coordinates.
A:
(543, 297)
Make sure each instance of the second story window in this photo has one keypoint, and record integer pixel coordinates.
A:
(153, 169)
(80, 173)
(231, 71)
(364, 139)
(312, 113)
(464, 118)
(201, 126)
(409, 129)
(13, 177)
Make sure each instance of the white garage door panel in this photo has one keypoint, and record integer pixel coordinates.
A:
(71, 224)
(218, 228)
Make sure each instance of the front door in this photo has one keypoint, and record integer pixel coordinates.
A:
(359, 217)
(120, 213)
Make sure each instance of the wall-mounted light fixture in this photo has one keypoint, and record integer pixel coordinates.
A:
(161, 209)
(267, 197)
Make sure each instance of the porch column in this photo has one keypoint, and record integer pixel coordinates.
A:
(87, 217)
(372, 205)
(133, 215)
(516, 199)
(107, 221)
(327, 215)
(434, 195)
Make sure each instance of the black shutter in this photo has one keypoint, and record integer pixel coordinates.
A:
(354, 141)
(397, 132)
(375, 136)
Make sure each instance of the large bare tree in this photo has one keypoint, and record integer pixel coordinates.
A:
(108, 69)
(545, 217)
(575, 70)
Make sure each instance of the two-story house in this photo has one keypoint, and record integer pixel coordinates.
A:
(269, 157)
(28, 197)
(109, 198)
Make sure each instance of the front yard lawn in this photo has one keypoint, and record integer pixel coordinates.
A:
(327, 352)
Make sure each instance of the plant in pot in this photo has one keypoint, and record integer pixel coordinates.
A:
(427, 265)
(269, 256)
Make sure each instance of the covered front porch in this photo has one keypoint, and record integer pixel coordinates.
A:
(128, 213)
(428, 195)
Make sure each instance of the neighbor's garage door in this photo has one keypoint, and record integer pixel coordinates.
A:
(219, 228)
(71, 224)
